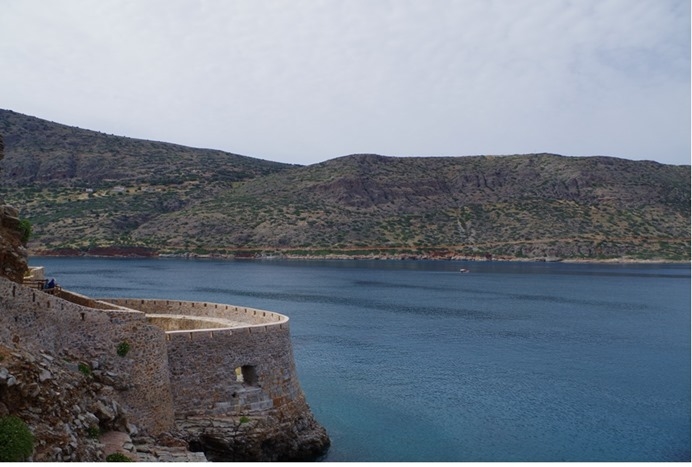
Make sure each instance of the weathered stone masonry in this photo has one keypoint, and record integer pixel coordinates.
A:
(43, 322)
(192, 366)
(261, 347)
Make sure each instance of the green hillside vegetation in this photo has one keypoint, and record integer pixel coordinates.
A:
(83, 191)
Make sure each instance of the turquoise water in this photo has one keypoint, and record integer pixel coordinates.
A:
(414, 361)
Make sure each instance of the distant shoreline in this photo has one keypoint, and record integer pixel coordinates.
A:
(379, 257)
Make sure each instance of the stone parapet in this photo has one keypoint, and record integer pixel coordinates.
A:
(249, 316)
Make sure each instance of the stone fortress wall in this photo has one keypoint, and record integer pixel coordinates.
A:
(188, 363)
(247, 357)
(42, 322)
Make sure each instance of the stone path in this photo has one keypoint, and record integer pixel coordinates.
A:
(116, 441)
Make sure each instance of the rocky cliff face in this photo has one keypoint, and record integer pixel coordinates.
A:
(267, 438)
(64, 408)
(13, 255)
(70, 409)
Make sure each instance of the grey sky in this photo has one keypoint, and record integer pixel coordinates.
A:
(304, 81)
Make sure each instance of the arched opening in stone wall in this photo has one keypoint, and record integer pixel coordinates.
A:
(246, 374)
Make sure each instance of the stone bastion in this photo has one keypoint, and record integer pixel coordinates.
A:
(241, 357)
(222, 375)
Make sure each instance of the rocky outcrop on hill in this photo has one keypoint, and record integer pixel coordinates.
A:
(13, 255)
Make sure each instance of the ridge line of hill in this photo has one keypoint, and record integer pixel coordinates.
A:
(88, 192)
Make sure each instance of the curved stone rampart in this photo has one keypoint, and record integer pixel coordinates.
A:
(228, 363)
(247, 365)
(249, 316)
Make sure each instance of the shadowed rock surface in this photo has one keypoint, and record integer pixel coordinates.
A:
(13, 255)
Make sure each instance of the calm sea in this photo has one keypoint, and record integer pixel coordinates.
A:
(415, 361)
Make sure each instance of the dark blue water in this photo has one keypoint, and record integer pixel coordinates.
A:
(414, 361)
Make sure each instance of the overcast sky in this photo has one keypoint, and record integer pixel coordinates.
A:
(303, 81)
